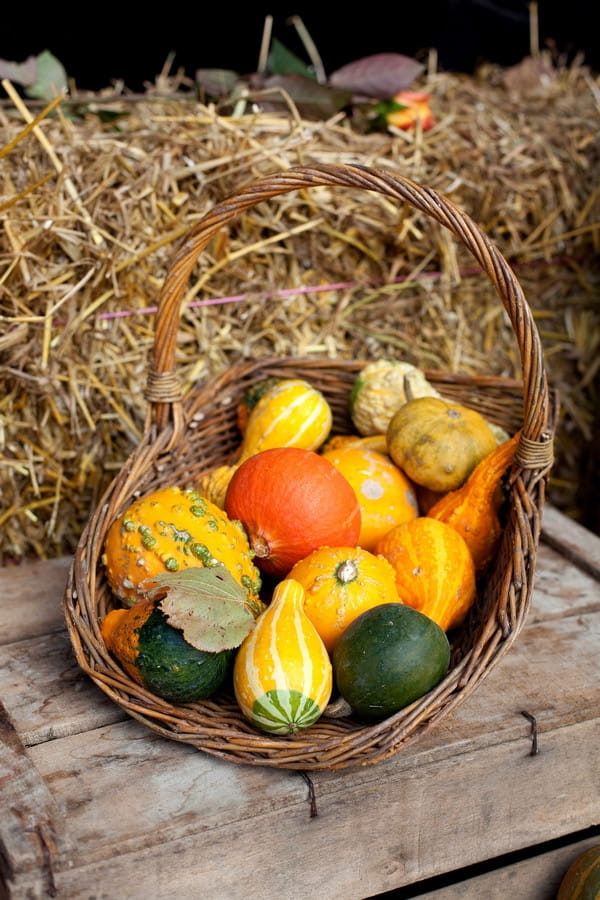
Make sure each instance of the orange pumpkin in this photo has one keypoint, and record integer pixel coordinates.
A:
(291, 501)
(385, 494)
(435, 572)
(473, 509)
(340, 583)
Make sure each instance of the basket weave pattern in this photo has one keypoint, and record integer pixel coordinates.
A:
(183, 439)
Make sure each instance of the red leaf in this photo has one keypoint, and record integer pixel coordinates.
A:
(381, 75)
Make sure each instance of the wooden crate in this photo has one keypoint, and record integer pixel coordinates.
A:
(95, 805)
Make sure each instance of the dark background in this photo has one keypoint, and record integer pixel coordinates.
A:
(98, 44)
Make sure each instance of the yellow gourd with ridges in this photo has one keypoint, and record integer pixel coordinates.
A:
(435, 571)
(282, 674)
(173, 529)
(340, 583)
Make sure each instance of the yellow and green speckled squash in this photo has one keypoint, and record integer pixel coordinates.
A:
(282, 675)
(173, 529)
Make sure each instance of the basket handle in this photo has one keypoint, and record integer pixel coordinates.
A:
(163, 389)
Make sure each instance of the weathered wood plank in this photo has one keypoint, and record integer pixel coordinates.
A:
(32, 598)
(69, 702)
(31, 824)
(572, 540)
(161, 819)
(535, 878)
(561, 588)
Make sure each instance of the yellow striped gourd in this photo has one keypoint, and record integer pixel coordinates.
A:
(292, 413)
(282, 675)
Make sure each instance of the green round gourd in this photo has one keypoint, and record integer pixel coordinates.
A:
(171, 668)
(388, 657)
(581, 881)
(157, 656)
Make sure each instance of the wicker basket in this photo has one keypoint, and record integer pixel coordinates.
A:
(184, 439)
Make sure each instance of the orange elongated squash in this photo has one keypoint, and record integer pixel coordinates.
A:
(282, 675)
(473, 509)
(435, 572)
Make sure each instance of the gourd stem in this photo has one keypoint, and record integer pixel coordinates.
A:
(347, 571)
(260, 546)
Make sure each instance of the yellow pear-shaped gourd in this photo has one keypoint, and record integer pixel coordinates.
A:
(282, 675)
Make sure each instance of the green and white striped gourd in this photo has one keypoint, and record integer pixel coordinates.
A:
(282, 674)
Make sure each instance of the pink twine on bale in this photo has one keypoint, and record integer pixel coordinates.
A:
(318, 288)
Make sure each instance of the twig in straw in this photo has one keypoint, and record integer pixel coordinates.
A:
(264, 45)
(311, 48)
(96, 237)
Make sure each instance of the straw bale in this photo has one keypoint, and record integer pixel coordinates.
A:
(95, 197)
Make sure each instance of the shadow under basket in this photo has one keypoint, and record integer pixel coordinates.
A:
(183, 439)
